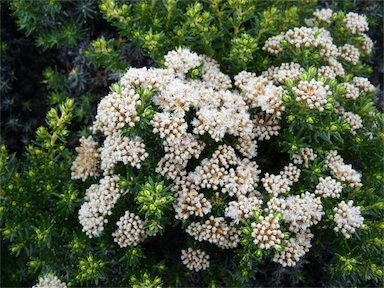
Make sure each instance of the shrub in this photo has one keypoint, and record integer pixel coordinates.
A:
(209, 170)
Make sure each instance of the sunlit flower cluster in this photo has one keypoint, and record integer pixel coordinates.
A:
(354, 121)
(87, 160)
(286, 71)
(281, 184)
(363, 84)
(182, 60)
(115, 111)
(242, 209)
(367, 44)
(50, 281)
(328, 187)
(215, 231)
(272, 45)
(341, 171)
(352, 91)
(260, 92)
(266, 232)
(348, 218)
(324, 15)
(117, 148)
(313, 93)
(350, 54)
(100, 199)
(306, 154)
(195, 259)
(356, 23)
(302, 211)
(294, 249)
(130, 230)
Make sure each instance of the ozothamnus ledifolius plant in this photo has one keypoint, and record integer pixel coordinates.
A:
(180, 145)
(191, 176)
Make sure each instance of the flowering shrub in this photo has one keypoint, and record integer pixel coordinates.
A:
(209, 170)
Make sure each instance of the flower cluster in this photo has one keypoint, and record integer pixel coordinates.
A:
(347, 218)
(50, 281)
(324, 15)
(242, 209)
(266, 232)
(195, 259)
(281, 184)
(356, 23)
(278, 75)
(130, 230)
(101, 198)
(294, 249)
(354, 121)
(313, 93)
(329, 187)
(341, 171)
(87, 160)
(216, 231)
(304, 156)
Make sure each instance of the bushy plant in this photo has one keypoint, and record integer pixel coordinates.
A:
(252, 155)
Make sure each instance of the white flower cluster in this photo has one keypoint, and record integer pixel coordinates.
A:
(272, 45)
(303, 158)
(278, 75)
(367, 45)
(324, 15)
(117, 148)
(354, 121)
(87, 160)
(294, 249)
(181, 60)
(352, 91)
(341, 171)
(363, 84)
(356, 23)
(328, 187)
(242, 209)
(50, 281)
(266, 126)
(350, 54)
(304, 37)
(281, 184)
(100, 199)
(117, 110)
(215, 231)
(313, 93)
(266, 232)
(347, 218)
(130, 230)
(300, 211)
(260, 92)
(195, 259)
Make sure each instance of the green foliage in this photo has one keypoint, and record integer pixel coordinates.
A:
(52, 28)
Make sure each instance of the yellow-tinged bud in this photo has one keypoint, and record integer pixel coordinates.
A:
(345, 126)
(310, 120)
(287, 98)
(33, 263)
(328, 106)
(358, 139)
(333, 128)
